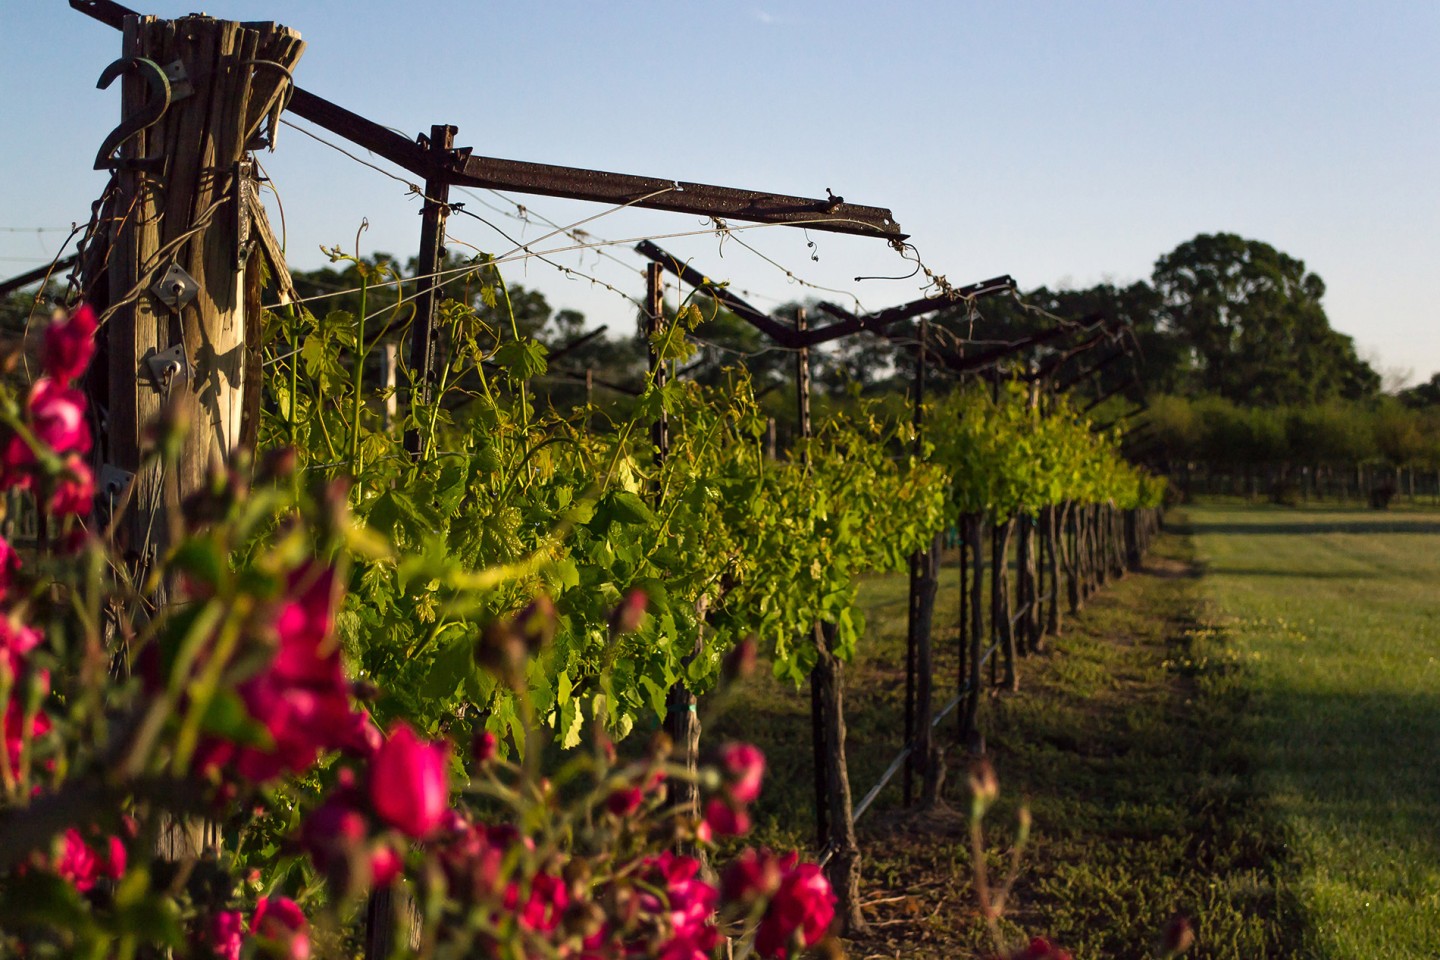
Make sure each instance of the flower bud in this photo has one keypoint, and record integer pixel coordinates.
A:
(536, 623)
(501, 651)
(984, 787)
(278, 464)
(1177, 937)
(740, 661)
(484, 746)
(410, 783)
(629, 614)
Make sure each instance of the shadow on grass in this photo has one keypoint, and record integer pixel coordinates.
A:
(1362, 766)
(1295, 574)
(1300, 526)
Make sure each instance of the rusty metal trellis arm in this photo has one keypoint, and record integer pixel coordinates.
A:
(8, 287)
(757, 318)
(849, 323)
(459, 168)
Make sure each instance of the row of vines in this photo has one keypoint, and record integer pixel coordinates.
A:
(425, 678)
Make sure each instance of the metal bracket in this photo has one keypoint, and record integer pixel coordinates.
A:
(176, 289)
(242, 195)
(113, 480)
(180, 85)
(155, 107)
(166, 366)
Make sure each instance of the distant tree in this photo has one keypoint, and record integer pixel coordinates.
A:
(1422, 395)
(1249, 321)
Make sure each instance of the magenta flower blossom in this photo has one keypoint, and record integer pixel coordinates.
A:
(688, 907)
(57, 417)
(302, 698)
(83, 866)
(755, 875)
(745, 766)
(484, 747)
(281, 922)
(9, 566)
(627, 617)
(70, 344)
(227, 934)
(409, 782)
(16, 640)
(14, 723)
(803, 907)
(337, 837)
(724, 820)
(625, 801)
(75, 491)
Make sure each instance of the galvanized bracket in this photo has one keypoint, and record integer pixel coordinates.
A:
(176, 288)
(180, 85)
(168, 365)
(114, 481)
(242, 195)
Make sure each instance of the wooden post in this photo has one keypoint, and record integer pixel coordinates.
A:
(424, 338)
(818, 745)
(919, 661)
(180, 300)
(389, 361)
(975, 535)
(682, 720)
(962, 628)
(1053, 546)
(1001, 627)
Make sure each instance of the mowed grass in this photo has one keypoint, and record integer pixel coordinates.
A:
(1127, 742)
(1335, 616)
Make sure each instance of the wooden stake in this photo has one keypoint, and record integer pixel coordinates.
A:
(182, 198)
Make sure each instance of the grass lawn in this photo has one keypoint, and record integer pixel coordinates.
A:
(1335, 615)
(1130, 743)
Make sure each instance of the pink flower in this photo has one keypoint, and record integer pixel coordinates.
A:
(16, 640)
(627, 617)
(305, 624)
(544, 907)
(474, 858)
(336, 835)
(409, 783)
(16, 459)
(802, 908)
(57, 417)
(9, 566)
(78, 864)
(625, 801)
(688, 907)
(14, 724)
(70, 344)
(82, 866)
(75, 491)
(115, 858)
(1041, 949)
(724, 820)
(227, 934)
(302, 697)
(281, 922)
(755, 875)
(385, 865)
(745, 766)
(484, 747)
(364, 738)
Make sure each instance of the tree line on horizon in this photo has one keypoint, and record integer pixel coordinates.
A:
(1232, 362)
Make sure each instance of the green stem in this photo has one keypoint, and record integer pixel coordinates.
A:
(358, 385)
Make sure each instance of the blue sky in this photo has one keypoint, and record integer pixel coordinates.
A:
(1062, 143)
